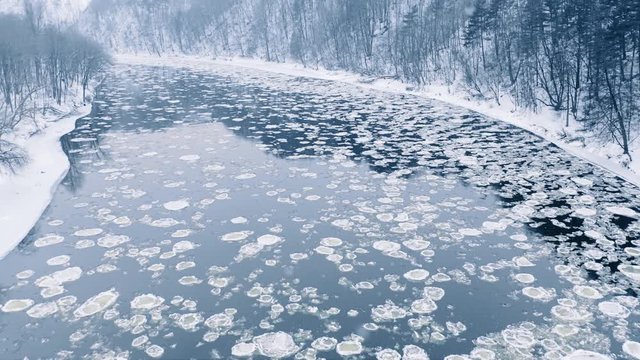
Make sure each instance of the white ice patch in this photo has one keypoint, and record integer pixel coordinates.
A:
(88, 232)
(43, 310)
(146, 302)
(586, 355)
(275, 345)
(386, 246)
(97, 303)
(587, 292)
(236, 236)
(416, 275)
(349, 348)
(176, 205)
(110, 241)
(189, 321)
(331, 241)
(269, 240)
(631, 271)
(243, 349)
(539, 293)
(632, 348)
(324, 343)
(15, 305)
(387, 312)
(58, 260)
(48, 240)
(190, 158)
(623, 211)
(613, 309)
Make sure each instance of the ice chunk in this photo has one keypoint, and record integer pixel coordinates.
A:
(48, 240)
(632, 348)
(586, 355)
(275, 344)
(416, 275)
(146, 302)
(349, 347)
(176, 205)
(243, 349)
(97, 303)
(15, 305)
(88, 232)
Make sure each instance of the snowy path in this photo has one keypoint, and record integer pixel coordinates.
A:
(233, 212)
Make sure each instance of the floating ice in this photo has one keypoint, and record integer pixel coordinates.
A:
(388, 354)
(219, 321)
(59, 277)
(587, 292)
(412, 352)
(183, 265)
(423, 306)
(416, 275)
(43, 310)
(88, 232)
(48, 240)
(539, 293)
(349, 347)
(146, 302)
(15, 305)
(386, 246)
(613, 309)
(239, 220)
(176, 205)
(110, 241)
(189, 280)
(182, 246)
(387, 312)
(586, 355)
(416, 244)
(331, 241)
(565, 330)
(470, 232)
(524, 278)
(154, 351)
(236, 236)
(631, 271)
(585, 212)
(269, 240)
(25, 274)
(632, 348)
(622, 211)
(97, 303)
(58, 260)
(189, 157)
(243, 349)
(275, 344)
(189, 321)
(324, 343)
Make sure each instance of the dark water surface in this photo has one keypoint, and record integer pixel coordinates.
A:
(211, 209)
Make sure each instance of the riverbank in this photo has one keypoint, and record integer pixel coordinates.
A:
(26, 194)
(545, 123)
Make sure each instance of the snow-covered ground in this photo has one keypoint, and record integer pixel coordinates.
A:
(25, 195)
(545, 123)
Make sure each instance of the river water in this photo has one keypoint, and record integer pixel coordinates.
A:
(228, 212)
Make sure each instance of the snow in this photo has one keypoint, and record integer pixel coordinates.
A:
(27, 194)
(545, 123)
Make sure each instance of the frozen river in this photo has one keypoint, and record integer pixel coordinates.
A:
(236, 213)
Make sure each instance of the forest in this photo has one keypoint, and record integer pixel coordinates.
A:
(579, 58)
(39, 64)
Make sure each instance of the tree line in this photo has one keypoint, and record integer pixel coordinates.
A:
(580, 58)
(38, 65)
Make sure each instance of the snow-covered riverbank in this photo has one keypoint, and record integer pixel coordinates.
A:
(546, 123)
(26, 194)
